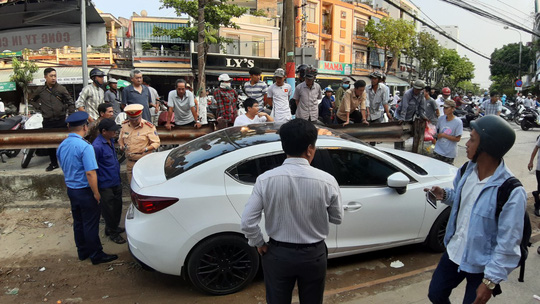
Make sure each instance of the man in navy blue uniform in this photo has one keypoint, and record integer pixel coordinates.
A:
(109, 182)
(78, 161)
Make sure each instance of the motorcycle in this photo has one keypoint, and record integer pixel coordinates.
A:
(529, 119)
(466, 114)
(33, 122)
(520, 108)
(8, 122)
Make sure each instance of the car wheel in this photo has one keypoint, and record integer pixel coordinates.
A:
(435, 238)
(222, 264)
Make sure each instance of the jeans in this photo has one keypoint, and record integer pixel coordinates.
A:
(54, 124)
(447, 277)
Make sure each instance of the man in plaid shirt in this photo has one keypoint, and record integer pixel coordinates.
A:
(226, 100)
(493, 106)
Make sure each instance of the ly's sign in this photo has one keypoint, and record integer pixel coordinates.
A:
(240, 62)
(330, 67)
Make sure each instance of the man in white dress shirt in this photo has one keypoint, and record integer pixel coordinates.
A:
(298, 201)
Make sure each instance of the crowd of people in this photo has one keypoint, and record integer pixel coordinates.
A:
(92, 171)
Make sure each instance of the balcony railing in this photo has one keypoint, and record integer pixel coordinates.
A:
(360, 34)
(361, 66)
(160, 53)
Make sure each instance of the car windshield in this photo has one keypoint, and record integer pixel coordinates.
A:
(205, 148)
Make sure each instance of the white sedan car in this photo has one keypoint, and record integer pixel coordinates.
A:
(187, 202)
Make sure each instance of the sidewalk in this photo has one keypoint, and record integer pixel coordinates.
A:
(414, 290)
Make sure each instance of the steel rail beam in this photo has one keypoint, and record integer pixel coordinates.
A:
(51, 138)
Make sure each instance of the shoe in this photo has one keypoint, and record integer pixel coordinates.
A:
(82, 257)
(109, 231)
(104, 258)
(117, 238)
(537, 212)
(51, 167)
(538, 250)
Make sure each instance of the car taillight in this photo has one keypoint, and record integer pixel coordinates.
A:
(151, 204)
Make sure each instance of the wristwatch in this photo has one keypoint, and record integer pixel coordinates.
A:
(490, 285)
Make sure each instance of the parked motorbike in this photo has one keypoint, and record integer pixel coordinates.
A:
(466, 114)
(520, 108)
(529, 119)
(8, 122)
(33, 122)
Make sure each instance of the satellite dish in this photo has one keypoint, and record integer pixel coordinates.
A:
(144, 13)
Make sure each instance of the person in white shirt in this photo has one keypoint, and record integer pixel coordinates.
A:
(2, 108)
(252, 114)
(278, 96)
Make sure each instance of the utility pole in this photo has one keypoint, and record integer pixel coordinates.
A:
(84, 55)
(304, 24)
(288, 41)
(201, 61)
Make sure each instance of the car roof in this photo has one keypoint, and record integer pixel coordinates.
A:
(215, 144)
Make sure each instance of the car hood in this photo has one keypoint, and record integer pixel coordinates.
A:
(149, 170)
(433, 167)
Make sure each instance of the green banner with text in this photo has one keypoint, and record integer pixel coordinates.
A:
(7, 86)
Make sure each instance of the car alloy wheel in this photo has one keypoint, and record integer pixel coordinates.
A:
(435, 238)
(222, 264)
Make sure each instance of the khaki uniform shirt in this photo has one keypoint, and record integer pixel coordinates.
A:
(136, 139)
(351, 102)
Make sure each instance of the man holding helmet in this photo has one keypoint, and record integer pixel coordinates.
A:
(307, 95)
(92, 95)
(481, 246)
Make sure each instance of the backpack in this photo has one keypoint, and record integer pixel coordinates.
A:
(502, 196)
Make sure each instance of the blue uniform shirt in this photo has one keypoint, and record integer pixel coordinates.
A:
(76, 157)
(108, 173)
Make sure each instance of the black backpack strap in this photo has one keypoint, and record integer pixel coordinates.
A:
(463, 168)
(504, 192)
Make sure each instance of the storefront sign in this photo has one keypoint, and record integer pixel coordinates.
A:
(10, 54)
(240, 63)
(51, 36)
(7, 86)
(339, 68)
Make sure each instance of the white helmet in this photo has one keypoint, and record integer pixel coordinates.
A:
(224, 77)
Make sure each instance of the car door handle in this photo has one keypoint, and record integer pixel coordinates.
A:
(352, 206)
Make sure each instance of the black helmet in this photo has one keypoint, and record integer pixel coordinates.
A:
(96, 72)
(311, 72)
(301, 70)
(496, 135)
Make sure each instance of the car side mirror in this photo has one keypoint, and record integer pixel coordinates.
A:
(398, 181)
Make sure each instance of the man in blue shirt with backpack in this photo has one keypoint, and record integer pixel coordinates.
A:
(484, 232)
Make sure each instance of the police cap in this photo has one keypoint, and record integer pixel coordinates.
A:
(133, 110)
(77, 119)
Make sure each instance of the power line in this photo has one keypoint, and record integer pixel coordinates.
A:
(483, 13)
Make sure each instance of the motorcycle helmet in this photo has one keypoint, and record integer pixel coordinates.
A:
(301, 70)
(95, 72)
(311, 72)
(496, 136)
(376, 74)
(446, 91)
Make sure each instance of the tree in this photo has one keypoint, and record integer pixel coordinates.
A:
(391, 35)
(23, 75)
(452, 69)
(504, 66)
(427, 51)
(209, 16)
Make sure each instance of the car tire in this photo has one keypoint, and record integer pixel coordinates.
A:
(435, 238)
(222, 264)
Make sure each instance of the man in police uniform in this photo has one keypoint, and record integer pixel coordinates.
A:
(78, 161)
(138, 137)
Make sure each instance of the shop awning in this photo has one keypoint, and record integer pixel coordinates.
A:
(7, 86)
(396, 81)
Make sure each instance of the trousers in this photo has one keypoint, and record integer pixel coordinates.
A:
(447, 277)
(111, 206)
(86, 212)
(52, 124)
(283, 267)
(129, 169)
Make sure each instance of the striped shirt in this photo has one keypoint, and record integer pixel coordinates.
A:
(491, 108)
(90, 98)
(298, 202)
(256, 91)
